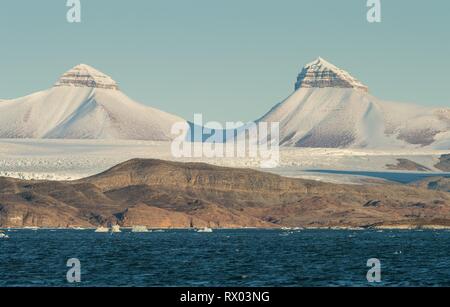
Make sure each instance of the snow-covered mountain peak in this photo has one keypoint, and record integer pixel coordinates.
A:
(84, 75)
(84, 104)
(322, 74)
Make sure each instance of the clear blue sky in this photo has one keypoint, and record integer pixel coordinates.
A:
(229, 59)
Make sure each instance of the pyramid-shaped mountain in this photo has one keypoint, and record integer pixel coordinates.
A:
(331, 109)
(83, 104)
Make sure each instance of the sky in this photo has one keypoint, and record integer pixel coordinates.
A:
(227, 59)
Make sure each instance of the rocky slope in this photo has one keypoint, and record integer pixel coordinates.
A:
(322, 74)
(158, 193)
(407, 165)
(434, 183)
(444, 163)
(86, 76)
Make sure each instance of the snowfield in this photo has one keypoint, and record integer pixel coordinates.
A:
(74, 159)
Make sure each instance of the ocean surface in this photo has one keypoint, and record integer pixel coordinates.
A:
(226, 258)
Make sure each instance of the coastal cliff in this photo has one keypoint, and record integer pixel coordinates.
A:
(163, 194)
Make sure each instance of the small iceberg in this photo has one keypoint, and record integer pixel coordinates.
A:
(31, 228)
(139, 229)
(102, 229)
(205, 229)
(116, 228)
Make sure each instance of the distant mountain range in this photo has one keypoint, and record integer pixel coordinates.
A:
(329, 108)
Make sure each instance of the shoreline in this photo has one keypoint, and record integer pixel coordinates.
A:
(286, 229)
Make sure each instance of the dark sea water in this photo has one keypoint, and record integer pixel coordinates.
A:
(226, 258)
